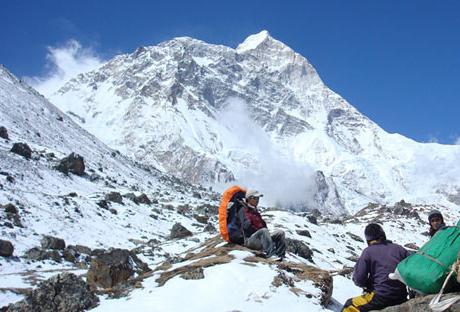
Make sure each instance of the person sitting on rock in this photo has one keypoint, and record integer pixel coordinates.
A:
(436, 221)
(371, 273)
(255, 232)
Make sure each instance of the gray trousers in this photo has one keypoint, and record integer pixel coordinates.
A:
(270, 244)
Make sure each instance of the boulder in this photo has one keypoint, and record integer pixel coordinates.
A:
(73, 163)
(210, 228)
(303, 233)
(4, 133)
(131, 196)
(12, 214)
(112, 267)
(37, 254)
(193, 274)
(312, 219)
(143, 199)
(299, 248)
(355, 237)
(103, 204)
(10, 208)
(22, 149)
(50, 242)
(421, 304)
(179, 231)
(201, 219)
(64, 292)
(6, 248)
(83, 249)
(114, 197)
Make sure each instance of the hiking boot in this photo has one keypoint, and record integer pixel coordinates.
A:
(271, 252)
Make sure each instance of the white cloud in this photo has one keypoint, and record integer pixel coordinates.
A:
(432, 139)
(65, 62)
(457, 141)
(283, 181)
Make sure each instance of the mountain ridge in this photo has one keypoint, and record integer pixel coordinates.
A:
(169, 98)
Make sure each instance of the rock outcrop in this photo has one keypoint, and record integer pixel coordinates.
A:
(73, 163)
(214, 252)
(113, 267)
(421, 304)
(64, 292)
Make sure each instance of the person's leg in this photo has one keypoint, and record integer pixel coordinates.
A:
(261, 240)
(356, 304)
(279, 241)
(379, 303)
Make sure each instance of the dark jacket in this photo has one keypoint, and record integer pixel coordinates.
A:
(250, 220)
(374, 265)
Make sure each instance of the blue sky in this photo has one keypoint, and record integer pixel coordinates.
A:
(398, 62)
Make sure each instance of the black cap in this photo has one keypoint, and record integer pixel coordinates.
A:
(374, 231)
(435, 213)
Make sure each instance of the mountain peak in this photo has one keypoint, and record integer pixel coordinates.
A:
(253, 41)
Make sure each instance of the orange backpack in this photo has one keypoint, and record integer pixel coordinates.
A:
(225, 216)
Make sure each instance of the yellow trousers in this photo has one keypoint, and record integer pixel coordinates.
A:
(357, 302)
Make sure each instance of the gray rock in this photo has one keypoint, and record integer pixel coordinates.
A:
(131, 196)
(51, 242)
(4, 133)
(83, 249)
(22, 149)
(179, 231)
(421, 304)
(312, 219)
(103, 204)
(210, 228)
(73, 163)
(114, 197)
(303, 233)
(70, 254)
(65, 292)
(6, 248)
(37, 254)
(193, 274)
(299, 248)
(10, 208)
(201, 219)
(143, 199)
(110, 268)
(355, 237)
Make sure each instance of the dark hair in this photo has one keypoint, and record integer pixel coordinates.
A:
(374, 231)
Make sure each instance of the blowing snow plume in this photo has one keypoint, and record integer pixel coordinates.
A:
(284, 182)
(64, 63)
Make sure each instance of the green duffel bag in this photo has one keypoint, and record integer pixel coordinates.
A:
(426, 270)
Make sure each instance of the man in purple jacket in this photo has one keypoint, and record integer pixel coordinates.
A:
(371, 273)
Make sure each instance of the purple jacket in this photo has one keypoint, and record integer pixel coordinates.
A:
(374, 265)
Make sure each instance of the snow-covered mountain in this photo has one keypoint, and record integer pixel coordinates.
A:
(259, 114)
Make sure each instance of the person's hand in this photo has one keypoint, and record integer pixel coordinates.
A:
(412, 246)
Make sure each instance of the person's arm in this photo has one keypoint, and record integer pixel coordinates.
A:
(361, 271)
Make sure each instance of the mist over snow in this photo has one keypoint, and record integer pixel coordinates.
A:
(64, 63)
(457, 141)
(284, 181)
